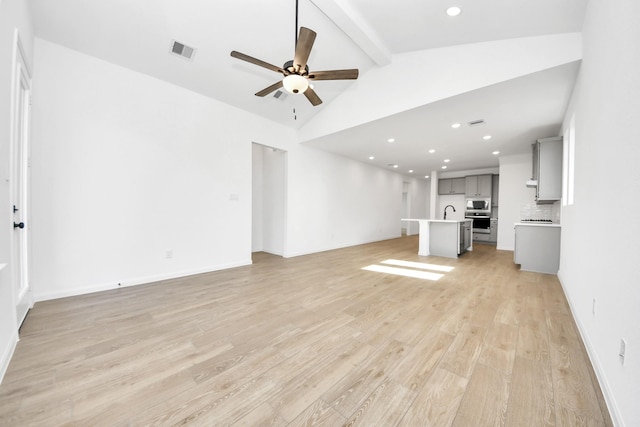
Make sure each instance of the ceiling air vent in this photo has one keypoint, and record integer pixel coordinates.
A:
(280, 95)
(476, 123)
(182, 50)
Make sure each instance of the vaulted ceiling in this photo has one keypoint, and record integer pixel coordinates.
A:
(511, 64)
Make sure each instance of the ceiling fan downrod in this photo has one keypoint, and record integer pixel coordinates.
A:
(295, 30)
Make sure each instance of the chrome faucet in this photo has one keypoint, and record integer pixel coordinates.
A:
(445, 210)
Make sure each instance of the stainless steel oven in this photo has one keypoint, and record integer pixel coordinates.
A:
(481, 223)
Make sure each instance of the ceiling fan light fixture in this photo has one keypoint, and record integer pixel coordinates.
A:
(454, 11)
(295, 83)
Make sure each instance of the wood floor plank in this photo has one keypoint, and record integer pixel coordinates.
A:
(267, 343)
(417, 366)
(499, 347)
(533, 341)
(485, 399)
(531, 397)
(463, 353)
(318, 414)
(439, 400)
(385, 406)
(413, 330)
(263, 415)
(349, 392)
(509, 311)
(571, 383)
(306, 381)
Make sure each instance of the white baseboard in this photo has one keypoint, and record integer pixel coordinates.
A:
(7, 354)
(616, 418)
(134, 281)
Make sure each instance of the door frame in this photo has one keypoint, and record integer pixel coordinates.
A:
(20, 180)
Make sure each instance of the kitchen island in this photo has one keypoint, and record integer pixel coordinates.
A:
(441, 237)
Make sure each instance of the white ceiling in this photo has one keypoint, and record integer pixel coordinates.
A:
(137, 34)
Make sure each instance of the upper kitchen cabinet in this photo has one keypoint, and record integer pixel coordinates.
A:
(451, 186)
(495, 191)
(478, 185)
(547, 169)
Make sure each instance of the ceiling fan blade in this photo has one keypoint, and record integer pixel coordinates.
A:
(351, 74)
(303, 48)
(312, 96)
(268, 90)
(258, 62)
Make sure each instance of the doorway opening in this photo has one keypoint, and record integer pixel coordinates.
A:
(268, 200)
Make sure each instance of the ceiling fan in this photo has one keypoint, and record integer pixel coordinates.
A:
(296, 74)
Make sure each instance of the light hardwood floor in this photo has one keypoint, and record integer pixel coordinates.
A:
(311, 340)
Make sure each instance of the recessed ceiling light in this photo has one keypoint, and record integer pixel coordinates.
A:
(495, 153)
(486, 137)
(371, 157)
(410, 170)
(454, 11)
(455, 125)
(447, 160)
(432, 151)
(391, 140)
(395, 166)
(426, 176)
(443, 167)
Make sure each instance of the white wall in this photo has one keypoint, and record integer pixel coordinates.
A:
(256, 197)
(455, 200)
(335, 202)
(126, 168)
(274, 200)
(13, 15)
(601, 261)
(444, 72)
(514, 173)
(419, 192)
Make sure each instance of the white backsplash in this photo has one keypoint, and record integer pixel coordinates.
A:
(536, 212)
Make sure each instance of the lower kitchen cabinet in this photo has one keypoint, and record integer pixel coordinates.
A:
(537, 247)
(481, 237)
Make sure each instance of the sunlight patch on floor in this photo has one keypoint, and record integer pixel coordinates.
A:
(411, 269)
(427, 275)
(420, 265)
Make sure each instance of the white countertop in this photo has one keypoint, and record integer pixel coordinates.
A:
(537, 224)
(436, 220)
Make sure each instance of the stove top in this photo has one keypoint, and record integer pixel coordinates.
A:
(537, 220)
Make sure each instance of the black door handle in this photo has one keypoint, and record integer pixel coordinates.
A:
(18, 225)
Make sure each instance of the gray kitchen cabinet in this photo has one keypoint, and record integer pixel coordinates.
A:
(493, 234)
(537, 247)
(495, 190)
(481, 237)
(478, 185)
(547, 169)
(451, 186)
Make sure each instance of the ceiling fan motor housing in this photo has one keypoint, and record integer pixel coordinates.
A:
(288, 66)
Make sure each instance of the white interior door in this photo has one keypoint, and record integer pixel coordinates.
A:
(20, 185)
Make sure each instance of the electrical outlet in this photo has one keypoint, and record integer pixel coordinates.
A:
(169, 254)
(593, 308)
(623, 350)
